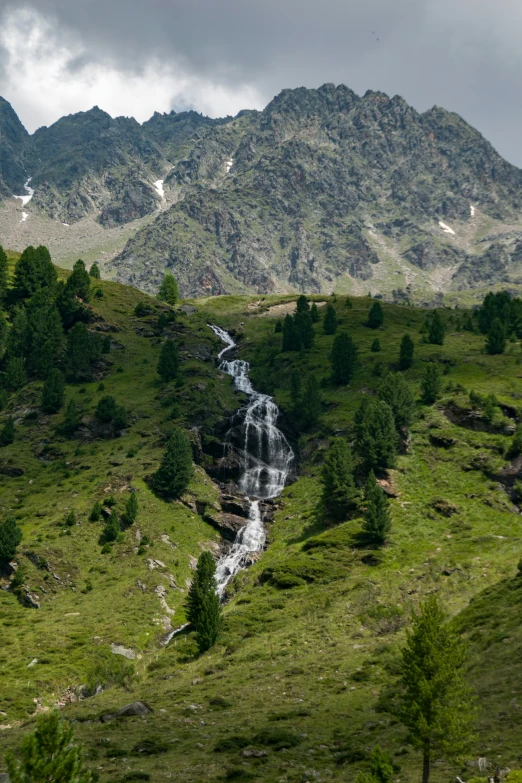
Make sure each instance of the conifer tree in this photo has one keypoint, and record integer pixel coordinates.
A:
(348, 304)
(78, 352)
(376, 346)
(396, 392)
(376, 436)
(71, 419)
(4, 268)
(302, 305)
(296, 387)
(377, 522)
(339, 489)
(290, 338)
(375, 316)
(435, 704)
(48, 754)
(311, 403)
(46, 337)
(112, 529)
(168, 364)
(106, 409)
(4, 329)
(7, 433)
(431, 384)
(406, 352)
(53, 392)
(436, 329)
(278, 326)
(169, 291)
(79, 282)
(304, 329)
(496, 338)
(343, 358)
(131, 509)
(175, 471)
(15, 375)
(330, 321)
(94, 271)
(203, 607)
(314, 313)
(34, 270)
(10, 537)
(18, 337)
(96, 512)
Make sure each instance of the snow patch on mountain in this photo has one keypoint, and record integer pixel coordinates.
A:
(229, 164)
(159, 188)
(445, 228)
(29, 191)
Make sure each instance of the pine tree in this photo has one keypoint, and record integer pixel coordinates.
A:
(18, 337)
(343, 358)
(71, 420)
(78, 352)
(7, 433)
(339, 490)
(376, 346)
(375, 316)
(314, 313)
(304, 329)
(169, 291)
(302, 305)
(4, 330)
(431, 384)
(79, 282)
(496, 338)
(330, 321)
(168, 364)
(348, 303)
(278, 326)
(4, 269)
(96, 512)
(406, 352)
(376, 436)
(515, 448)
(311, 403)
(106, 409)
(381, 766)
(15, 375)
(296, 388)
(10, 537)
(34, 270)
(435, 705)
(46, 337)
(48, 754)
(94, 271)
(112, 529)
(203, 607)
(291, 340)
(53, 392)
(396, 392)
(131, 509)
(377, 522)
(175, 471)
(436, 329)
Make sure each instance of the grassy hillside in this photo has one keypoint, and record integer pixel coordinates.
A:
(296, 687)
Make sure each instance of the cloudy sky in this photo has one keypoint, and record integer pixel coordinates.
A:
(133, 57)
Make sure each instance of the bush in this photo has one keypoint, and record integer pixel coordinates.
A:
(7, 433)
(96, 511)
(375, 316)
(107, 669)
(94, 271)
(431, 384)
(150, 746)
(106, 409)
(71, 420)
(142, 309)
(231, 744)
(168, 364)
(131, 509)
(10, 537)
(277, 738)
(111, 530)
(376, 346)
(70, 519)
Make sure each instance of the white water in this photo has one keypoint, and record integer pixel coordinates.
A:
(266, 457)
(229, 164)
(159, 188)
(30, 193)
(446, 228)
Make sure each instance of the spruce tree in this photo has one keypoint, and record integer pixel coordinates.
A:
(15, 375)
(376, 346)
(496, 338)
(53, 392)
(106, 409)
(96, 512)
(339, 490)
(131, 509)
(4, 330)
(34, 270)
(302, 305)
(431, 384)
(94, 271)
(435, 703)
(168, 364)
(19, 335)
(311, 403)
(48, 754)
(291, 340)
(175, 471)
(78, 353)
(278, 326)
(71, 420)
(111, 530)
(376, 436)
(79, 282)
(406, 352)
(330, 321)
(314, 313)
(343, 358)
(10, 537)
(7, 433)
(396, 392)
(203, 607)
(377, 522)
(46, 337)
(296, 388)
(436, 329)
(304, 329)
(4, 269)
(375, 316)
(169, 291)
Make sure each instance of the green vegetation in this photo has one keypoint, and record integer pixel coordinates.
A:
(344, 359)
(431, 384)
(339, 489)
(375, 316)
(406, 352)
(330, 321)
(169, 290)
(10, 537)
(53, 391)
(175, 471)
(168, 365)
(203, 607)
(436, 328)
(377, 522)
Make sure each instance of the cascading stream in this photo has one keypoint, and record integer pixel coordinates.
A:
(266, 457)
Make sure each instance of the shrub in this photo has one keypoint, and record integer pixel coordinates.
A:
(150, 746)
(142, 309)
(15, 375)
(131, 509)
(107, 669)
(431, 384)
(376, 346)
(277, 738)
(168, 364)
(111, 530)
(375, 316)
(106, 409)
(496, 338)
(7, 433)
(436, 329)
(71, 420)
(10, 537)
(94, 271)
(70, 519)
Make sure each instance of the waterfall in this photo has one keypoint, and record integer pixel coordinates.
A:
(266, 457)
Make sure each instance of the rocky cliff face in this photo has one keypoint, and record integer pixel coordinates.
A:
(13, 142)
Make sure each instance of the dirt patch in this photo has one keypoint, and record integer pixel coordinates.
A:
(285, 308)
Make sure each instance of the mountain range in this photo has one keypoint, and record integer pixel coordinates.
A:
(321, 191)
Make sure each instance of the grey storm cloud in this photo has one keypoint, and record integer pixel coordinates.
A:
(465, 55)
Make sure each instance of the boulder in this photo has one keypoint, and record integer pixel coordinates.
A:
(136, 709)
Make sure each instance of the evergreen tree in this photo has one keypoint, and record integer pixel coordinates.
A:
(377, 522)
(10, 537)
(396, 392)
(376, 346)
(47, 339)
(4, 399)
(496, 338)
(431, 384)
(278, 326)
(106, 409)
(203, 607)
(376, 436)
(112, 529)
(34, 270)
(304, 329)
(18, 337)
(71, 420)
(4, 269)
(406, 352)
(175, 471)
(169, 290)
(296, 387)
(436, 329)
(69, 306)
(7, 433)
(375, 316)
(330, 321)
(96, 512)
(515, 448)
(131, 509)
(78, 352)
(94, 271)
(311, 403)
(168, 364)
(348, 303)
(79, 282)
(343, 358)
(339, 490)
(15, 375)
(381, 766)
(314, 313)
(291, 341)
(435, 704)
(53, 392)
(4, 330)
(302, 305)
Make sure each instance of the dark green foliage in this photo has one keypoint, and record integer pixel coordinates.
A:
(304, 329)
(496, 338)
(111, 530)
(343, 358)
(18, 337)
(376, 436)
(15, 375)
(302, 304)
(381, 766)
(4, 331)
(431, 384)
(296, 388)
(339, 490)
(94, 271)
(435, 703)
(330, 321)
(4, 399)
(70, 519)
(79, 283)
(78, 352)
(490, 407)
(45, 337)
(3, 274)
(203, 607)
(53, 392)
(10, 537)
(375, 316)
(106, 409)
(314, 313)
(291, 340)
(48, 754)
(376, 346)
(348, 303)
(96, 512)
(377, 522)
(173, 475)
(436, 328)
(71, 420)
(396, 392)
(70, 308)
(515, 447)
(406, 352)
(168, 364)
(501, 306)
(142, 309)
(131, 509)
(278, 326)
(169, 290)
(311, 404)
(7, 433)
(34, 270)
